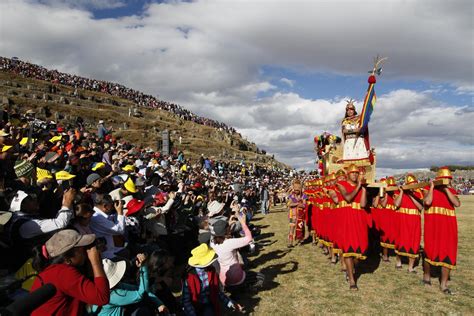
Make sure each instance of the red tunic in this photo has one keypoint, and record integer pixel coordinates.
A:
(73, 291)
(325, 202)
(354, 229)
(441, 231)
(316, 218)
(388, 224)
(409, 229)
(338, 211)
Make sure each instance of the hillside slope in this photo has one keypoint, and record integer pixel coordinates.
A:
(59, 101)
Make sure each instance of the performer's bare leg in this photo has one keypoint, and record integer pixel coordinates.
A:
(343, 262)
(385, 254)
(350, 272)
(444, 278)
(426, 273)
(411, 264)
(398, 262)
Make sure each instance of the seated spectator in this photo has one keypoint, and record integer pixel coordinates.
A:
(201, 290)
(58, 262)
(111, 226)
(123, 295)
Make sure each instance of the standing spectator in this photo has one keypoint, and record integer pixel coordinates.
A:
(264, 199)
(105, 223)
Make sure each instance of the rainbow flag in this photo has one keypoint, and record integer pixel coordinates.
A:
(368, 107)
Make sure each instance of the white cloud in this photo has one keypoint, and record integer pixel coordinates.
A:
(288, 81)
(211, 64)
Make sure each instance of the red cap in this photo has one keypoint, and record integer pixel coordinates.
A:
(134, 206)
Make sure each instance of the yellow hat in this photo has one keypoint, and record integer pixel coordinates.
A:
(5, 148)
(64, 175)
(24, 140)
(410, 178)
(391, 182)
(340, 173)
(130, 186)
(128, 168)
(383, 180)
(98, 165)
(352, 168)
(332, 177)
(202, 256)
(55, 138)
(444, 173)
(43, 174)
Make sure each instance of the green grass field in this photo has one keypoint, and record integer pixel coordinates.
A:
(301, 281)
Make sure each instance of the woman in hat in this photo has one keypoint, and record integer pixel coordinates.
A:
(409, 205)
(201, 290)
(354, 223)
(123, 294)
(58, 262)
(440, 229)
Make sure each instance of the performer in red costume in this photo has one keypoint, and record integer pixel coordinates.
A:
(331, 217)
(408, 205)
(316, 219)
(338, 212)
(388, 222)
(354, 221)
(440, 229)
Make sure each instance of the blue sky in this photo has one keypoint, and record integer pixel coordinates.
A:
(279, 71)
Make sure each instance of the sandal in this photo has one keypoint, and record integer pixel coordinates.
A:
(412, 271)
(425, 282)
(398, 267)
(386, 260)
(447, 291)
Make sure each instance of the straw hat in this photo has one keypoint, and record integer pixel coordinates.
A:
(114, 271)
(202, 256)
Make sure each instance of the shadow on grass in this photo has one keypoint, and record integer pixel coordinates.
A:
(247, 297)
(264, 236)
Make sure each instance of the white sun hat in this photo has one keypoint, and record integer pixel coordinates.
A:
(214, 208)
(114, 271)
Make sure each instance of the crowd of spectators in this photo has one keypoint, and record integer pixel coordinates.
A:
(113, 226)
(30, 70)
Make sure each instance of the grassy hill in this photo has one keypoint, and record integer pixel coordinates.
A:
(51, 102)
